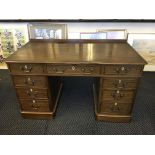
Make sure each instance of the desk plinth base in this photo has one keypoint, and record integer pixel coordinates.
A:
(108, 117)
(43, 115)
(112, 118)
(37, 115)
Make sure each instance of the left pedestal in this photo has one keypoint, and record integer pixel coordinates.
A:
(37, 94)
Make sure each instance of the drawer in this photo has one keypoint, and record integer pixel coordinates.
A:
(110, 107)
(118, 95)
(73, 69)
(123, 69)
(26, 68)
(120, 83)
(32, 93)
(35, 105)
(30, 81)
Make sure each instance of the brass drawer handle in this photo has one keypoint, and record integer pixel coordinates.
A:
(32, 93)
(122, 70)
(28, 81)
(91, 69)
(83, 69)
(26, 68)
(117, 95)
(119, 84)
(34, 105)
(115, 107)
(87, 73)
(57, 71)
(87, 70)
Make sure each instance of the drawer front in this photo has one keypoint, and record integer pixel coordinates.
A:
(26, 68)
(32, 93)
(110, 107)
(120, 83)
(123, 69)
(30, 81)
(35, 105)
(118, 95)
(73, 69)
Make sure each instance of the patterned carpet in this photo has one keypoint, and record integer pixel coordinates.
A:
(75, 113)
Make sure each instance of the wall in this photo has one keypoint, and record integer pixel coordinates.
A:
(131, 27)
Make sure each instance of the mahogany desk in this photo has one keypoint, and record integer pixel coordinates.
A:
(37, 68)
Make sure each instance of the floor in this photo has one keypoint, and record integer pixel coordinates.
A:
(75, 113)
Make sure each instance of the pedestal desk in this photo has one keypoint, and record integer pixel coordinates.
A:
(38, 67)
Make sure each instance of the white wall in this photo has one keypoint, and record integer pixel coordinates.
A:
(131, 27)
(92, 27)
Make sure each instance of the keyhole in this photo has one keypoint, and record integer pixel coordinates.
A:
(73, 67)
(117, 91)
(116, 104)
(122, 68)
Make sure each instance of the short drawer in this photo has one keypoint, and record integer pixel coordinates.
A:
(119, 83)
(35, 105)
(123, 70)
(26, 68)
(30, 81)
(32, 93)
(73, 69)
(110, 107)
(118, 95)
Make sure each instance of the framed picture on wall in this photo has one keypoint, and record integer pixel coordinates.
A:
(93, 35)
(47, 31)
(144, 44)
(114, 33)
(12, 37)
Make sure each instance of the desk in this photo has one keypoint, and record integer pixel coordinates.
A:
(37, 68)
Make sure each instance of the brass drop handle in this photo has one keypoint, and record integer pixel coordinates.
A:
(87, 71)
(119, 83)
(115, 107)
(115, 83)
(29, 81)
(91, 69)
(34, 105)
(54, 69)
(31, 92)
(120, 70)
(83, 69)
(117, 95)
(26, 68)
(58, 71)
(117, 70)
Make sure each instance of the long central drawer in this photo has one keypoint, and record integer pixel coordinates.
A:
(73, 69)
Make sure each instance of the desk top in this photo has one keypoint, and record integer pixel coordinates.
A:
(83, 51)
